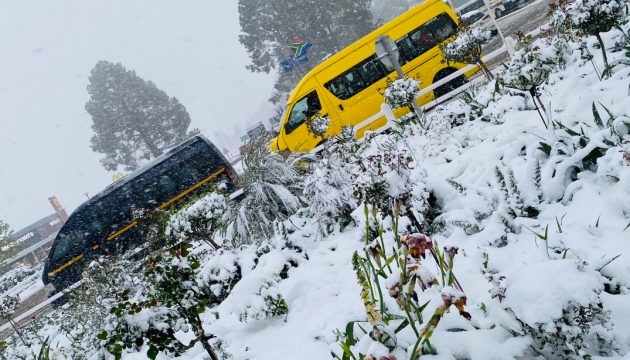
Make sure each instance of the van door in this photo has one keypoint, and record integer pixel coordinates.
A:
(294, 131)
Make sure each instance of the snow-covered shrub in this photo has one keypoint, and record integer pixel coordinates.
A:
(578, 148)
(515, 204)
(258, 297)
(590, 17)
(14, 277)
(329, 193)
(527, 69)
(465, 47)
(623, 44)
(560, 313)
(400, 93)
(172, 302)
(103, 278)
(222, 271)
(8, 306)
(382, 177)
(318, 125)
(272, 189)
(198, 220)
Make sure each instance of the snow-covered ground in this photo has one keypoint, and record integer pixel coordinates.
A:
(539, 217)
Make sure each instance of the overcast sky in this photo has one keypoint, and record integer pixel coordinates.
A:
(188, 48)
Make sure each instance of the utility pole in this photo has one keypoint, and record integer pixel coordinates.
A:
(386, 50)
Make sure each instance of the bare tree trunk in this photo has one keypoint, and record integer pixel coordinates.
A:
(532, 92)
(17, 331)
(601, 44)
(208, 348)
(485, 70)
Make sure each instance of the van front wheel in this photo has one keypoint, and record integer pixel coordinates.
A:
(449, 86)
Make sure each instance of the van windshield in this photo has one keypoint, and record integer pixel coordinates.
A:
(303, 109)
(284, 115)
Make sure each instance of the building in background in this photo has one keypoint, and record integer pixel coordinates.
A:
(35, 241)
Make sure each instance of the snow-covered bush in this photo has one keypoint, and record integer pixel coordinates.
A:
(198, 220)
(222, 271)
(272, 189)
(257, 294)
(564, 307)
(590, 17)
(329, 193)
(382, 177)
(173, 301)
(400, 93)
(14, 277)
(8, 306)
(465, 47)
(318, 125)
(103, 278)
(259, 298)
(527, 69)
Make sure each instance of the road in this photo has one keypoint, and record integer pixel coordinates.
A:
(526, 19)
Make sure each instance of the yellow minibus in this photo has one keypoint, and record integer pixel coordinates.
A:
(347, 87)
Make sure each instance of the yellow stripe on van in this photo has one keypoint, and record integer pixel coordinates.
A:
(192, 188)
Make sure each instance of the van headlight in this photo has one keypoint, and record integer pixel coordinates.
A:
(49, 288)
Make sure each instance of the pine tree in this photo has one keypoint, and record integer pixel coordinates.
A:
(133, 119)
(269, 26)
(7, 248)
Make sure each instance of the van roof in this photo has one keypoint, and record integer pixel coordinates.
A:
(364, 40)
(127, 178)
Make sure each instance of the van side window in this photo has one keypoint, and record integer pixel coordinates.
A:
(426, 37)
(412, 45)
(71, 242)
(304, 108)
(357, 78)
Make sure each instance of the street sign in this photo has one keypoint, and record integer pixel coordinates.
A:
(382, 53)
(388, 53)
(244, 137)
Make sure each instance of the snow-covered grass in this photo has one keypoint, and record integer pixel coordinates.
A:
(539, 218)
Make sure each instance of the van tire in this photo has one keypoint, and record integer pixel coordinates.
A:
(498, 13)
(449, 86)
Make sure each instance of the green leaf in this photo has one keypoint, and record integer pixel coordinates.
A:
(153, 352)
(387, 263)
(350, 332)
(102, 336)
(627, 227)
(195, 265)
(614, 64)
(421, 309)
(114, 349)
(564, 256)
(559, 227)
(610, 114)
(347, 353)
(597, 223)
(403, 325)
(598, 119)
(569, 131)
(545, 148)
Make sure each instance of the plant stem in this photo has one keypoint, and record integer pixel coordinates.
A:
(378, 286)
(415, 349)
(367, 274)
(603, 48)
